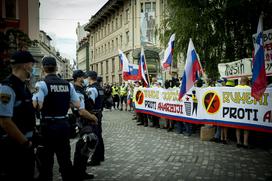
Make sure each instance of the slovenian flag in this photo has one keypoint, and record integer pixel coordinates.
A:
(143, 67)
(258, 72)
(168, 53)
(130, 71)
(192, 70)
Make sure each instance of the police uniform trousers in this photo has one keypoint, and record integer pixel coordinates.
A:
(55, 137)
(16, 161)
(99, 153)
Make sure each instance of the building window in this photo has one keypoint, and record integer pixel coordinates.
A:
(142, 7)
(116, 41)
(107, 66)
(127, 37)
(148, 7)
(91, 40)
(112, 45)
(112, 26)
(127, 16)
(108, 28)
(96, 69)
(107, 79)
(112, 66)
(121, 40)
(121, 18)
(10, 9)
(101, 68)
(154, 7)
(116, 23)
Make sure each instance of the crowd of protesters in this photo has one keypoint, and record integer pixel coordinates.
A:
(222, 134)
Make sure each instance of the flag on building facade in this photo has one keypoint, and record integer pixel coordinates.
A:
(143, 67)
(192, 70)
(258, 72)
(129, 71)
(168, 53)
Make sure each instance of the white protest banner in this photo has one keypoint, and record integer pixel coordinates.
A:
(267, 38)
(239, 68)
(223, 106)
(236, 69)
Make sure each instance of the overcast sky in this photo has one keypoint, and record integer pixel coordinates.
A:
(58, 18)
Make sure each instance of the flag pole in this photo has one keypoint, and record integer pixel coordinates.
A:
(146, 67)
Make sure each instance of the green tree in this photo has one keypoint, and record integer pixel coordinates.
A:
(220, 29)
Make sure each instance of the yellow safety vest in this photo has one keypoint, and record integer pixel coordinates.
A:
(123, 91)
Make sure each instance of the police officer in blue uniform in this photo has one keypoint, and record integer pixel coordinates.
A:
(86, 121)
(17, 121)
(53, 97)
(96, 93)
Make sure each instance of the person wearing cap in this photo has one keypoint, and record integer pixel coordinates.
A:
(53, 97)
(86, 120)
(96, 93)
(17, 121)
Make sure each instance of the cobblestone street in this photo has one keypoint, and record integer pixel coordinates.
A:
(144, 153)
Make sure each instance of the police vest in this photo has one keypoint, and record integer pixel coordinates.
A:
(89, 104)
(23, 110)
(98, 105)
(57, 102)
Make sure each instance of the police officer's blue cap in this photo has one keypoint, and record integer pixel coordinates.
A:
(22, 57)
(92, 74)
(78, 73)
(49, 62)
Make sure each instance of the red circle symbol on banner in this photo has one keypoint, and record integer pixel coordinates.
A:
(211, 102)
(139, 97)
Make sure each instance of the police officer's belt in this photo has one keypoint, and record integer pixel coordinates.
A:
(96, 111)
(55, 117)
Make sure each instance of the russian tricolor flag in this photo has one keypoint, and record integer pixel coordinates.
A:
(192, 70)
(143, 67)
(168, 53)
(258, 72)
(130, 71)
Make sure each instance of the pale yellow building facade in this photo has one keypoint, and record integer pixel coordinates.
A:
(126, 25)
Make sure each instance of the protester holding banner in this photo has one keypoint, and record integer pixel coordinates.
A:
(224, 130)
(244, 83)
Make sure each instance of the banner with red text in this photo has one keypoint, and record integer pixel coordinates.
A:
(224, 106)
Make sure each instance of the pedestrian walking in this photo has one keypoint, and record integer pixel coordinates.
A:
(96, 93)
(84, 146)
(17, 121)
(53, 97)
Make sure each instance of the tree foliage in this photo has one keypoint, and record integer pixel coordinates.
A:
(220, 29)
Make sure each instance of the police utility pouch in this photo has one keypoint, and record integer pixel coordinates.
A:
(90, 142)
